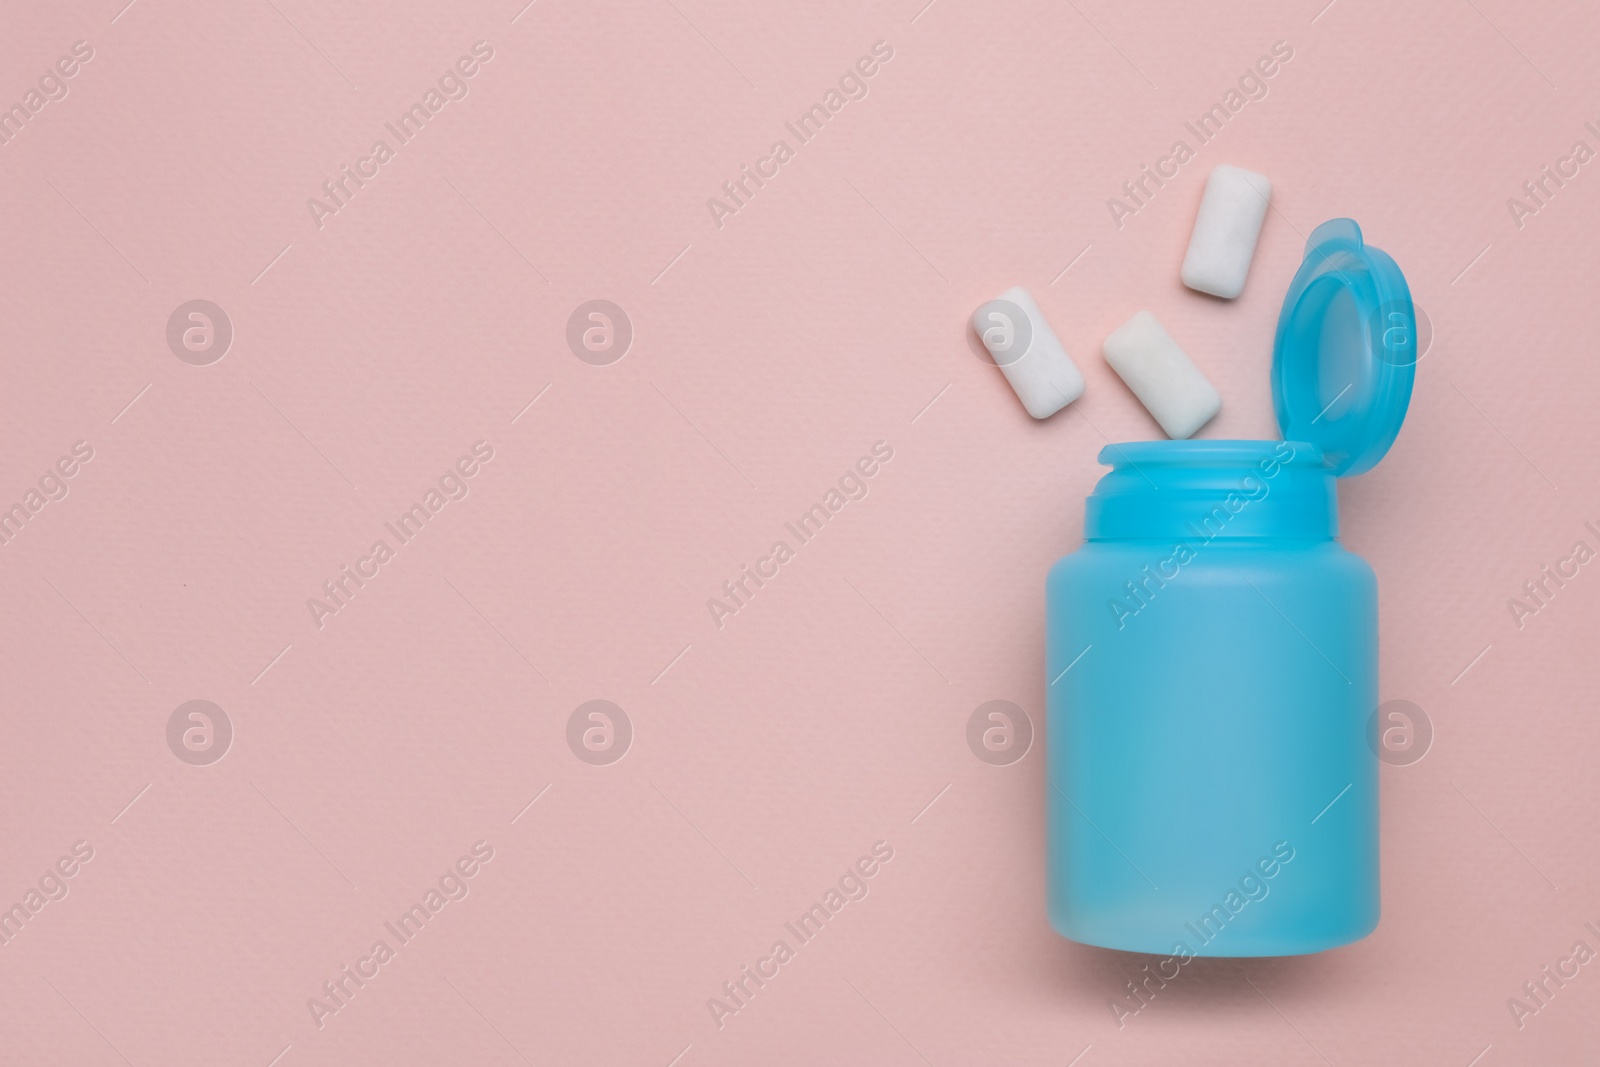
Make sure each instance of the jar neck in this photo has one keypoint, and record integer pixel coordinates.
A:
(1213, 489)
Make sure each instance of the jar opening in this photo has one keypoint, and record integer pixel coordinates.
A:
(1211, 489)
(1208, 453)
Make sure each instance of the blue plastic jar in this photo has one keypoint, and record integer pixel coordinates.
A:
(1212, 655)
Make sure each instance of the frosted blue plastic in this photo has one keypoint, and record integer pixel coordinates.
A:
(1346, 350)
(1212, 656)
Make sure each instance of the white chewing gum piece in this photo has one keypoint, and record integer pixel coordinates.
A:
(1225, 231)
(1027, 352)
(1167, 383)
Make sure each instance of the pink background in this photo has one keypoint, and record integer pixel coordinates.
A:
(769, 353)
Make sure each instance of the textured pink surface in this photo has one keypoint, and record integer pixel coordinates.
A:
(371, 754)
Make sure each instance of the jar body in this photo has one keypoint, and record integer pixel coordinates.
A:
(1212, 788)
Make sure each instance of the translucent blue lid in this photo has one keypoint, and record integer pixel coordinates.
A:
(1346, 351)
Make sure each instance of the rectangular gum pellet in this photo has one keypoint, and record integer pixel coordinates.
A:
(1161, 375)
(1026, 350)
(1225, 231)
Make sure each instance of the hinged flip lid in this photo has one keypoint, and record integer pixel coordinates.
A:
(1346, 350)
